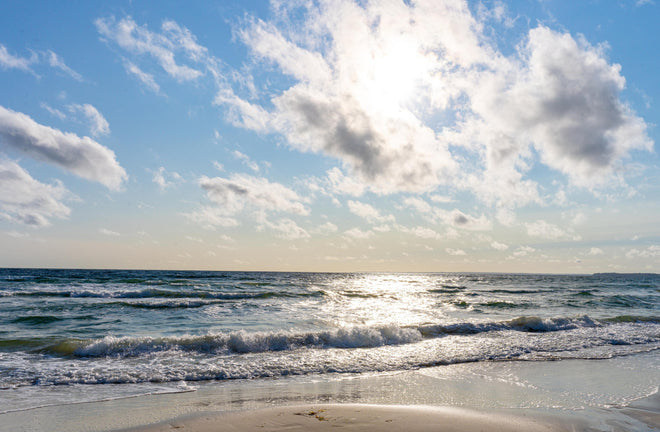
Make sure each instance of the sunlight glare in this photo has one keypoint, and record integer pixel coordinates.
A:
(398, 69)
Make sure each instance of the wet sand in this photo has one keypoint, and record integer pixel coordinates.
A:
(360, 417)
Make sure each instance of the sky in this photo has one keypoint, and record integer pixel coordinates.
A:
(430, 135)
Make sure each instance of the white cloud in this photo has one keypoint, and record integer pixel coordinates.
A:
(246, 160)
(364, 85)
(458, 219)
(326, 228)
(161, 46)
(357, 233)
(442, 199)
(546, 230)
(98, 125)
(368, 212)
(144, 77)
(83, 157)
(416, 97)
(285, 228)
(53, 111)
(422, 232)
(341, 184)
(211, 217)
(563, 97)
(420, 206)
(499, 246)
(454, 218)
(108, 232)
(165, 179)
(523, 251)
(596, 251)
(652, 251)
(56, 61)
(25, 200)
(9, 61)
(17, 235)
(234, 194)
(455, 252)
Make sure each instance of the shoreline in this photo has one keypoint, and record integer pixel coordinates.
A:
(566, 395)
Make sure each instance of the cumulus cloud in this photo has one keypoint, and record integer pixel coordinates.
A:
(499, 246)
(285, 228)
(412, 97)
(453, 218)
(365, 78)
(364, 85)
(83, 157)
(233, 194)
(25, 200)
(358, 234)
(421, 232)
(368, 212)
(339, 183)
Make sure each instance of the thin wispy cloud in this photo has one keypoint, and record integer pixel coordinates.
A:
(56, 61)
(145, 78)
(11, 61)
(36, 58)
(98, 125)
(162, 47)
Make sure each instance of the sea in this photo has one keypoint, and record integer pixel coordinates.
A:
(72, 336)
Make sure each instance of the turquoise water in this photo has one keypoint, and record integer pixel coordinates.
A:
(120, 333)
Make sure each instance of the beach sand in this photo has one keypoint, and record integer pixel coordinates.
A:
(360, 417)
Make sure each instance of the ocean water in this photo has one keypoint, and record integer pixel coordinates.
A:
(86, 335)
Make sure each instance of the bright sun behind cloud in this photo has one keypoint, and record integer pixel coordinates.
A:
(396, 70)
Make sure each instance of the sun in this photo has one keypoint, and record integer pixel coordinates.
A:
(397, 72)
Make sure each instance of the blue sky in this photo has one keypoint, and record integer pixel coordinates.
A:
(330, 136)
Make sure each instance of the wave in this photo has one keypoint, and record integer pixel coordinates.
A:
(36, 319)
(242, 342)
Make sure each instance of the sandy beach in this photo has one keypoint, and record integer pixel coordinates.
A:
(610, 395)
(360, 417)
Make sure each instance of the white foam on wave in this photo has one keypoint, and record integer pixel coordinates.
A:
(249, 342)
